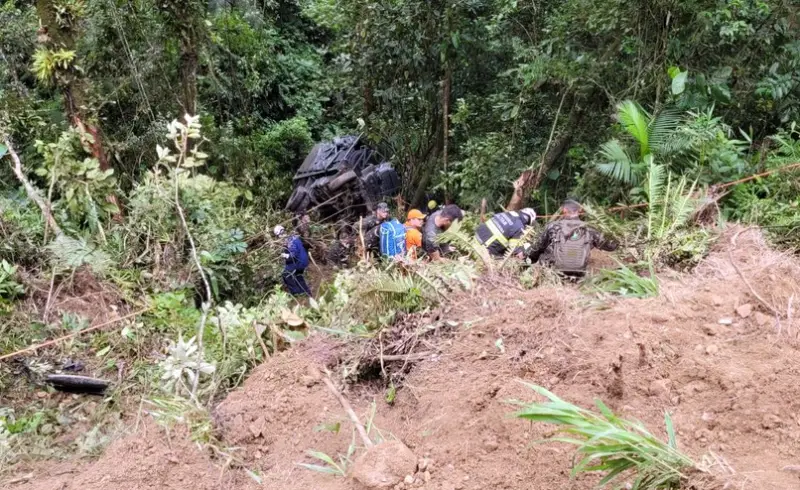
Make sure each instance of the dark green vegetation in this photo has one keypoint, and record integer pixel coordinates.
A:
(610, 101)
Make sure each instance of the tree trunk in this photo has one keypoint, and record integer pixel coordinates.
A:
(530, 179)
(446, 125)
(188, 71)
(73, 86)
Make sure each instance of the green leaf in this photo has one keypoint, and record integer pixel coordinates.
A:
(673, 71)
(679, 83)
(103, 351)
(721, 93)
(3, 150)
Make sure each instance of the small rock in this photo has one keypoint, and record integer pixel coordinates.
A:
(409, 479)
(717, 300)
(793, 468)
(483, 355)
(41, 394)
(258, 455)
(385, 465)
(426, 476)
(712, 349)
(761, 319)
(491, 445)
(725, 321)
(661, 318)
(711, 329)
(257, 427)
(659, 388)
(745, 310)
(771, 421)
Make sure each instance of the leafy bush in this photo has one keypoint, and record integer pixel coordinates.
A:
(75, 180)
(9, 288)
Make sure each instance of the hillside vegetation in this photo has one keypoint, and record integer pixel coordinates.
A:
(147, 148)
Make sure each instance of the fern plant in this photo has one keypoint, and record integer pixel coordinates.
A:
(671, 205)
(468, 244)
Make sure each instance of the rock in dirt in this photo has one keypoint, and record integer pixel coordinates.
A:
(711, 329)
(761, 319)
(745, 310)
(659, 388)
(385, 465)
(712, 349)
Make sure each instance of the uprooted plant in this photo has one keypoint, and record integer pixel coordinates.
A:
(619, 448)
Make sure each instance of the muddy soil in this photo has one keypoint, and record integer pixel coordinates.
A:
(718, 349)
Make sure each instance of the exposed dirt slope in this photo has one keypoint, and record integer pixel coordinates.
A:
(731, 387)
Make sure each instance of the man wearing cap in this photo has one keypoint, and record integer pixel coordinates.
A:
(413, 225)
(296, 263)
(504, 231)
(370, 227)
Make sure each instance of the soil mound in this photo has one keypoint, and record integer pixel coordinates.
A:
(717, 349)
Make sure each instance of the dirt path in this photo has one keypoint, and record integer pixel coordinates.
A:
(706, 350)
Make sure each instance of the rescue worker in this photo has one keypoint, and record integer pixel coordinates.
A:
(504, 231)
(414, 222)
(437, 223)
(296, 263)
(371, 227)
(566, 243)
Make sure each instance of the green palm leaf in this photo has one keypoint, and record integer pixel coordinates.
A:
(662, 129)
(637, 123)
(617, 162)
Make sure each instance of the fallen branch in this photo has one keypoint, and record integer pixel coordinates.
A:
(75, 334)
(350, 413)
(32, 193)
(407, 357)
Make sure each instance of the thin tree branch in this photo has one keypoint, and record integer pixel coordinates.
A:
(33, 194)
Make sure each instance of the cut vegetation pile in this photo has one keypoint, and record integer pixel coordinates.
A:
(717, 350)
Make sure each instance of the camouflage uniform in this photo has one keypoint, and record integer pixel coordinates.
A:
(544, 250)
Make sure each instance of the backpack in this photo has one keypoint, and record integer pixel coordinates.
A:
(393, 238)
(572, 246)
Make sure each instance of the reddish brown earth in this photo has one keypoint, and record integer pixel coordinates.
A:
(731, 387)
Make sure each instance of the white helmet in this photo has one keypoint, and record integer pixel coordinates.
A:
(278, 230)
(530, 213)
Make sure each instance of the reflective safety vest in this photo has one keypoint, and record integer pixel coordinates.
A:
(501, 233)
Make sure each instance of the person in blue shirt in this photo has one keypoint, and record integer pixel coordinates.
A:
(296, 263)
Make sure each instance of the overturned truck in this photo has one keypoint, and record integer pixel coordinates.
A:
(342, 179)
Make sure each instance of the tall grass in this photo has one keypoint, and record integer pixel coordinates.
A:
(620, 448)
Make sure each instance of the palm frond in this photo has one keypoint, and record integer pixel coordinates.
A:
(637, 123)
(662, 128)
(617, 162)
(608, 443)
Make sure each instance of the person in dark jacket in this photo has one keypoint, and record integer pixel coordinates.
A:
(296, 264)
(437, 223)
(504, 231)
(371, 227)
(566, 243)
